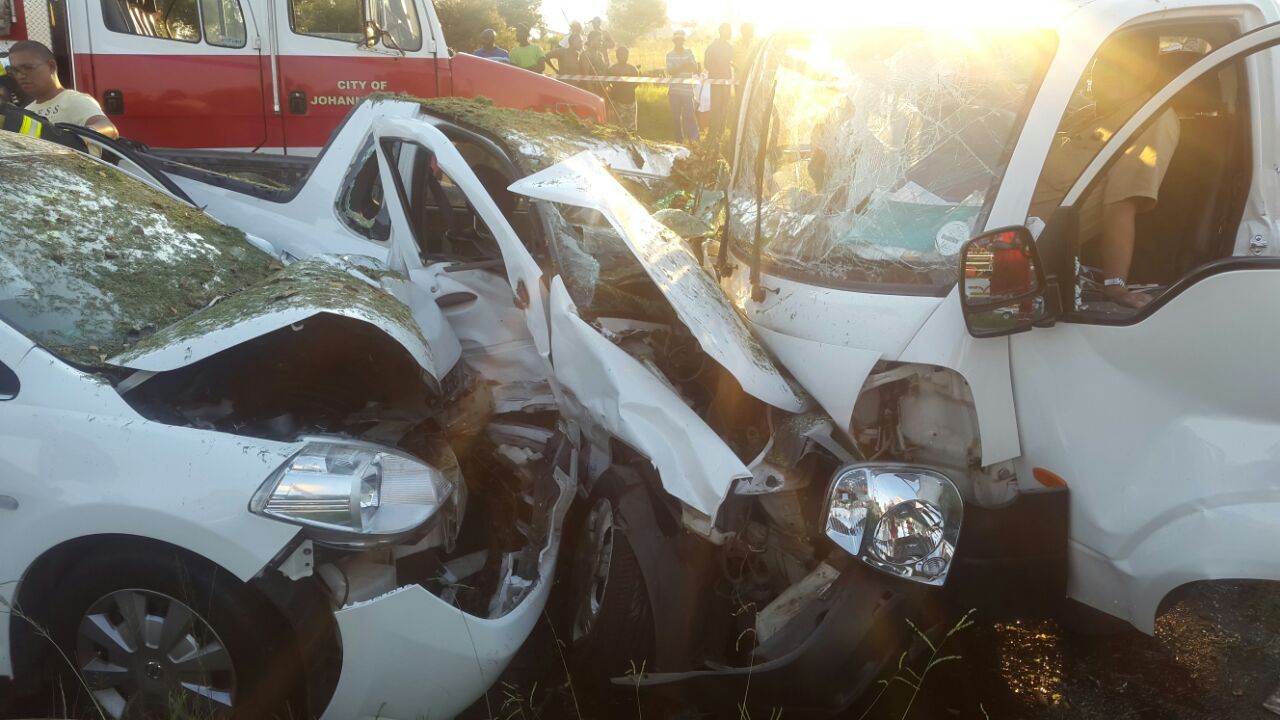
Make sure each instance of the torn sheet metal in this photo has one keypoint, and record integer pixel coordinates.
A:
(583, 181)
(301, 291)
(408, 649)
(629, 402)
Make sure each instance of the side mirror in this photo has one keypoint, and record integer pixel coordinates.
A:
(1002, 288)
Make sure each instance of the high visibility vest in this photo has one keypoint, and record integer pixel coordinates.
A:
(25, 122)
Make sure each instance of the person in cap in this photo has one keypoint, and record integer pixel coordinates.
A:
(681, 64)
(489, 49)
(36, 70)
(575, 30)
(606, 39)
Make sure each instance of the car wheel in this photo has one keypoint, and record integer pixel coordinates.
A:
(612, 622)
(151, 635)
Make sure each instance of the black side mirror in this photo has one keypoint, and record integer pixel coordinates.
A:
(1002, 288)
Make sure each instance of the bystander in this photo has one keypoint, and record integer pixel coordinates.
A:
(568, 60)
(718, 61)
(575, 30)
(36, 69)
(622, 95)
(681, 64)
(597, 25)
(527, 55)
(489, 49)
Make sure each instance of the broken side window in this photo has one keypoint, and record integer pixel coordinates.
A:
(360, 204)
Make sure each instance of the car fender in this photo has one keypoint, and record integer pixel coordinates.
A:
(82, 463)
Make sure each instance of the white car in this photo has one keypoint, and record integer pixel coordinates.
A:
(232, 486)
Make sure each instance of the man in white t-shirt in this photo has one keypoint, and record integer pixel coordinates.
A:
(36, 70)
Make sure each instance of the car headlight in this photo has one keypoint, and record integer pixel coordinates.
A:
(352, 494)
(902, 520)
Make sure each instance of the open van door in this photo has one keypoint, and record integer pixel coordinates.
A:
(1163, 418)
(180, 73)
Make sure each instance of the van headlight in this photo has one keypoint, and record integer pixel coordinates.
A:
(353, 494)
(902, 520)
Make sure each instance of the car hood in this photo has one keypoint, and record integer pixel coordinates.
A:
(583, 181)
(357, 288)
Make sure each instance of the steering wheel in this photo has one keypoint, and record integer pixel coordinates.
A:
(128, 153)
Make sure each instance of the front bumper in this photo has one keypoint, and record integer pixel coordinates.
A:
(408, 654)
(821, 662)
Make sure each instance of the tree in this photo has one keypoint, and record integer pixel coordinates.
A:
(521, 12)
(464, 20)
(629, 19)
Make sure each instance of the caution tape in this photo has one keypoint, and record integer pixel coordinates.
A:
(645, 80)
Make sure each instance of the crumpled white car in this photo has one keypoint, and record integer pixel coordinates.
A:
(242, 488)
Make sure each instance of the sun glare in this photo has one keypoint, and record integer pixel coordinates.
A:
(801, 14)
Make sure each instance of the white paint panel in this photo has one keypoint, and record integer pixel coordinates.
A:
(832, 374)
(628, 401)
(1168, 433)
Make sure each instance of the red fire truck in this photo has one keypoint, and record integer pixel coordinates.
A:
(274, 75)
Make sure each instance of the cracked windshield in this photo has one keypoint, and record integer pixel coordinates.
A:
(870, 156)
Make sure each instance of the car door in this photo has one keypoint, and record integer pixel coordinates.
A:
(494, 304)
(1165, 421)
(181, 74)
(331, 54)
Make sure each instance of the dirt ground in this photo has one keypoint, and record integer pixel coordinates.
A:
(1215, 655)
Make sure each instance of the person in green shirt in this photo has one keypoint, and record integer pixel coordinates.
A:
(527, 55)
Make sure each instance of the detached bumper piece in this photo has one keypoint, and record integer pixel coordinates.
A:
(820, 663)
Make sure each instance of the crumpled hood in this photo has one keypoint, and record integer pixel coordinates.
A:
(701, 305)
(356, 288)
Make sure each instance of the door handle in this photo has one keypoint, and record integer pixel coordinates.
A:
(455, 299)
(297, 102)
(113, 102)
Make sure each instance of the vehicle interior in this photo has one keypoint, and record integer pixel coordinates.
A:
(1201, 198)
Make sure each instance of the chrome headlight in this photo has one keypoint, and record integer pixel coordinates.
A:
(351, 493)
(902, 520)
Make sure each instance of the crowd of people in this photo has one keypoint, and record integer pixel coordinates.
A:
(699, 94)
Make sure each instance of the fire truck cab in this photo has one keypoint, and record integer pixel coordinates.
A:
(262, 74)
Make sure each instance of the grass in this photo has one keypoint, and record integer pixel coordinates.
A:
(653, 114)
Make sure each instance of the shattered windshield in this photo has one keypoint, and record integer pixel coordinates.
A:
(93, 261)
(873, 154)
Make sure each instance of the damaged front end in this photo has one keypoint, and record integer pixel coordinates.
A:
(773, 556)
(430, 520)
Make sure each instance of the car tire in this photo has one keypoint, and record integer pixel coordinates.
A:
(163, 634)
(610, 618)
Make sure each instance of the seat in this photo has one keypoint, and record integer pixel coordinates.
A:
(1183, 230)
